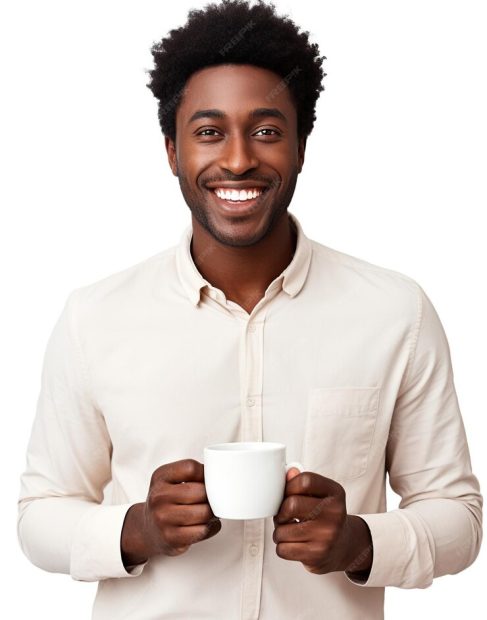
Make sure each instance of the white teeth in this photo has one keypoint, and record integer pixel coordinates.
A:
(237, 195)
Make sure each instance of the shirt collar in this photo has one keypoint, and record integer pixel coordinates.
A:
(291, 279)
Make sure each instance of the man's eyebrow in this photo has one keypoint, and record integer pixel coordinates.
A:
(257, 113)
(206, 114)
(263, 112)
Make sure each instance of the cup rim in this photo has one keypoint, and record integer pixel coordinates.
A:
(232, 446)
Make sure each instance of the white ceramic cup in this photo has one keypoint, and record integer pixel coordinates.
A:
(246, 479)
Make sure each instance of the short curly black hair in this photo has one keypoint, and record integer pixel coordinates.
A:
(235, 32)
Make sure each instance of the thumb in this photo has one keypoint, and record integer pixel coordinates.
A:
(292, 473)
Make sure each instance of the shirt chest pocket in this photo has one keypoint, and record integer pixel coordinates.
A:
(339, 429)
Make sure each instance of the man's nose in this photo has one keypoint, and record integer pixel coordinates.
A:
(238, 155)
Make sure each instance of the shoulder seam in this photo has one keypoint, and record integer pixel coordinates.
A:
(127, 270)
(338, 256)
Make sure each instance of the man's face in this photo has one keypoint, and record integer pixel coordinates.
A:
(229, 147)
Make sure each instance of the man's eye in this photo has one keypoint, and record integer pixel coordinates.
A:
(202, 132)
(268, 129)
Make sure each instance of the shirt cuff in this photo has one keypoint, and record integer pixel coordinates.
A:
(387, 532)
(96, 550)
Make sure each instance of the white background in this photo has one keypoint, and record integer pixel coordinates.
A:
(395, 173)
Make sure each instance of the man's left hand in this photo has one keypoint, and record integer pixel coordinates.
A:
(326, 539)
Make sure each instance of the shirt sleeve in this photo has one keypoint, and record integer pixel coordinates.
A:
(62, 526)
(437, 529)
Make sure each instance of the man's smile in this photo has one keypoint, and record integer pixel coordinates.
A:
(238, 200)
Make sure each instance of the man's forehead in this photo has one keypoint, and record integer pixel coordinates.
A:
(227, 90)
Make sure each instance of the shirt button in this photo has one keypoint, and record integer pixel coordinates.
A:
(250, 402)
(251, 329)
(254, 550)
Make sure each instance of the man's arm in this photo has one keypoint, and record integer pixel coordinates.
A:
(437, 529)
(62, 526)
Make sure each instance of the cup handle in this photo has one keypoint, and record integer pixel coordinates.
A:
(294, 464)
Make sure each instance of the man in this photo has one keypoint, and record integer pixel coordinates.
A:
(247, 330)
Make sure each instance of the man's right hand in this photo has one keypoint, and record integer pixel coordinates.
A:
(175, 515)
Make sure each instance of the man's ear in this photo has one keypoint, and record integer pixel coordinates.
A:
(171, 155)
(301, 150)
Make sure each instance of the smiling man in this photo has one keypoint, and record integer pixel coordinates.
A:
(237, 166)
(247, 330)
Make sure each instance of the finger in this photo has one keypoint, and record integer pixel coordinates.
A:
(183, 536)
(196, 514)
(299, 552)
(292, 473)
(303, 508)
(213, 526)
(186, 470)
(293, 532)
(315, 485)
(188, 493)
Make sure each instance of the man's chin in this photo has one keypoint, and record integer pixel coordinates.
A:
(234, 238)
(236, 229)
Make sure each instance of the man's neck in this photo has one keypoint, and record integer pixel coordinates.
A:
(244, 273)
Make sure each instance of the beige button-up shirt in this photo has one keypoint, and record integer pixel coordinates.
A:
(343, 361)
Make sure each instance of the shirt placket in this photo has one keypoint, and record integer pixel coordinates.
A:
(253, 537)
(251, 368)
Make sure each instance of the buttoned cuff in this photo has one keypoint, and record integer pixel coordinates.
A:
(96, 550)
(388, 533)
